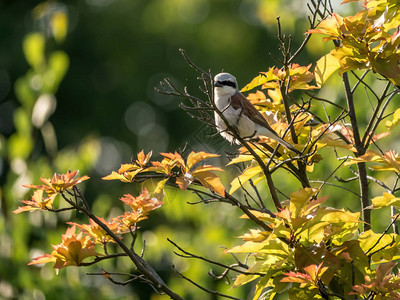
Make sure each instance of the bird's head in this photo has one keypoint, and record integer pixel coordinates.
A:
(225, 84)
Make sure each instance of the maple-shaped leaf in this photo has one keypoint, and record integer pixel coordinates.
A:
(143, 203)
(36, 203)
(128, 221)
(127, 172)
(174, 159)
(94, 230)
(58, 183)
(73, 249)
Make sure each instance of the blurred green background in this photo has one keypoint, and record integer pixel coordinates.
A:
(77, 91)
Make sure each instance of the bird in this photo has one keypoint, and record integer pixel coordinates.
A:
(240, 113)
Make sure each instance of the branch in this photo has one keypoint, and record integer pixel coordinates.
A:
(142, 266)
(362, 169)
(203, 288)
(187, 254)
(100, 258)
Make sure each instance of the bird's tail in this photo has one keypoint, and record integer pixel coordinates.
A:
(285, 144)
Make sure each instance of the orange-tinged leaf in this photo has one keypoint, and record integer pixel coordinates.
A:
(315, 271)
(73, 249)
(325, 67)
(297, 277)
(211, 181)
(174, 158)
(46, 258)
(143, 203)
(37, 202)
(184, 181)
(96, 232)
(58, 183)
(195, 157)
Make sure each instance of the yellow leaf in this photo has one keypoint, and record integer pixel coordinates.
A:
(387, 244)
(300, 199)
(257, 81)
(247, 247)
(115, 176)
(325, 67)
(385, 200)
(59, 25)
(396, 118)
(241, 179)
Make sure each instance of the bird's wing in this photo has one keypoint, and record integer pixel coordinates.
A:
(239, 101)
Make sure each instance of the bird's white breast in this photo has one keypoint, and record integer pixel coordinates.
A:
(235, 118)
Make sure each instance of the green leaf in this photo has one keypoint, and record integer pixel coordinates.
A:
(34, 46)
(57, 68)
(22, 122)
(19, 146)
(24, 92)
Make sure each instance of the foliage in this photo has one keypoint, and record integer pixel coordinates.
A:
(305, 249)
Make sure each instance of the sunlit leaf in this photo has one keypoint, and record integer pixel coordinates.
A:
(248, 173)
(211, 181)
(36, 203)
(257, 81)
(385, 200)
(325, 67)
(395, 121)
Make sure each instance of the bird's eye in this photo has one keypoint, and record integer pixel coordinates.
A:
(229, 83)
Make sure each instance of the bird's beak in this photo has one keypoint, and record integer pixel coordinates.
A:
(217, 84)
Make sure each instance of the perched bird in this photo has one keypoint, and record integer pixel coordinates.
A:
(240, 113)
